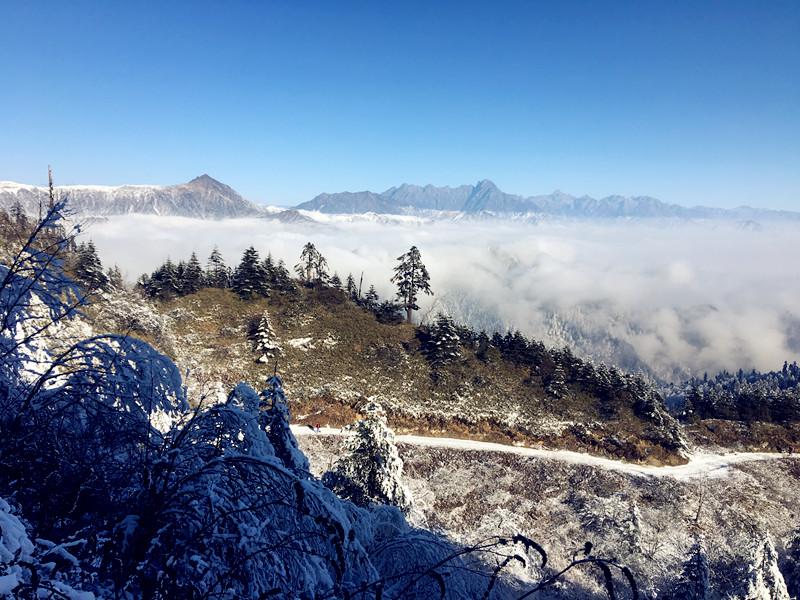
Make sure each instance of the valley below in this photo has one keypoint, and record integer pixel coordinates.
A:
(647, 518)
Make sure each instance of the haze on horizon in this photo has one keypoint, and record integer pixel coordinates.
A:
(691, 103)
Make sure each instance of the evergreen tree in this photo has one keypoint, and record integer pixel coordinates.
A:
(693, 582)
(193, 278)
(249, 280)
(371, 297)
(411, 278)
(791, 567)
(692, 407)
(217, 274)
(115, 278)
(350, 287)
(388, 313)
(557, 384)
(265, 342)
(370, 471)
(269, 269)
(762, 578)
(283, 279)
(444, 345)
(163, 284)
(88, 268)
(276, 422)
(335, 282)
(312, 268)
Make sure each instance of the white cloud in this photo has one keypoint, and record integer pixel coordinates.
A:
(698, 296)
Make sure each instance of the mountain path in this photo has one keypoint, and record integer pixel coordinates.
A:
(708, 465)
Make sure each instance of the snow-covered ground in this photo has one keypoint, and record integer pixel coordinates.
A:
(704, 465)
(647, 517)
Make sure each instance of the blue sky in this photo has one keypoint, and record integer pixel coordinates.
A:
(690, 102)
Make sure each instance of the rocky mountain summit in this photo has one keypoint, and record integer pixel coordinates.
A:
(201, 198)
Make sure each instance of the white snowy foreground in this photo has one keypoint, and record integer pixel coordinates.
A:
(706, 465)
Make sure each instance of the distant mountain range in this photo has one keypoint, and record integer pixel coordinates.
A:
(485, 198)
(201, 198)
(207, 198)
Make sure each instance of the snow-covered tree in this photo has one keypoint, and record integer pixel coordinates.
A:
(276, 422)
(411, 277)
(693, 582)
(164, 283)
(444, 344)
(791, 566)
(89, 268)
(265, 342)
(557, 385)
(115, 277)
(370, 471)
(762, 578)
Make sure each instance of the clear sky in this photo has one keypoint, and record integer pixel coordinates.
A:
(691, 102)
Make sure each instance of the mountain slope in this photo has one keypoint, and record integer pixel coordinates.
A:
(486, 197)
(201, 198)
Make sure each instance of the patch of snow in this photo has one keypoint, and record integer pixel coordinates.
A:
(302, 343)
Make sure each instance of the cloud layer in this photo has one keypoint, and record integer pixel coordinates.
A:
(672, 298)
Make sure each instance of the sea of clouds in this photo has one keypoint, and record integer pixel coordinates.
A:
(672, 298)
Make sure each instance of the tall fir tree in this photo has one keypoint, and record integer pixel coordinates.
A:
(193, 278)
(312, 268)
(411, 277)
(217, 273)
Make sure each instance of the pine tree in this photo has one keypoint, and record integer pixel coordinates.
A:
(163, 283)
(217, 274)
(193, 278)
(312, 268)
(762, 578)
(692, 408)
(115, 278)
(249, 279)
(371, 297)
(557, 384)
(276, 421)
(411, 278)
(283, 280)
(370, 471)
(444, 345)
(265, 342)
(89, 269)
(335, 282)
(350, 287)
(693, 582)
